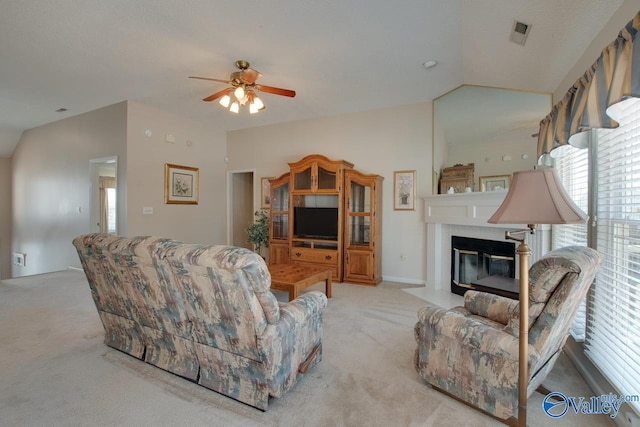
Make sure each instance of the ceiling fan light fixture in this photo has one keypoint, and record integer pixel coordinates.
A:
(258, 103)
(239, 92)
(225, 101)
(242, 84)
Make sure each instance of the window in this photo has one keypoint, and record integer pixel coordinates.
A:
(613, 318)
(573, 170)
(611, 338)
(111, 210)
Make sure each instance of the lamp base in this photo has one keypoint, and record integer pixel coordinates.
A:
(523, 253)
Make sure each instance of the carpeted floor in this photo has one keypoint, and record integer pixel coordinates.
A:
(56, 371)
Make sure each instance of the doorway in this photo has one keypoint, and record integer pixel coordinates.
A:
(103, 215)
(240, 185)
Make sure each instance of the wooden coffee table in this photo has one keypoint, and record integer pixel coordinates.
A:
(293, 278)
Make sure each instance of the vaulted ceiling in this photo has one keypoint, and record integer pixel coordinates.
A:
(340, 56)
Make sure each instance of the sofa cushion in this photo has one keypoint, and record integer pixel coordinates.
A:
(546, 274)
(226, 292)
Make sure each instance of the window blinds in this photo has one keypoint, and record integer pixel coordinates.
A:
(613, 318)
(573, 170)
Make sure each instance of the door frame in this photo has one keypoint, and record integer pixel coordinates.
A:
(94, 204)
(230, 198)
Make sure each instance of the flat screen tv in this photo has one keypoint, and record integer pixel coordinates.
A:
(317, 223)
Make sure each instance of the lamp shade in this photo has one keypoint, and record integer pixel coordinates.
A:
(537, 197)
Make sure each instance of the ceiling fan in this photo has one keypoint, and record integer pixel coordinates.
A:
(243, 86)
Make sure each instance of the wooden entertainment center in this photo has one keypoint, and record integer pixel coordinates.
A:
(324, 213)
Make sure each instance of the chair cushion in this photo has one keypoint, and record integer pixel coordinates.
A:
(546, 274)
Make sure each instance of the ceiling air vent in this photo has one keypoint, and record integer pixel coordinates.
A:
(519, 32)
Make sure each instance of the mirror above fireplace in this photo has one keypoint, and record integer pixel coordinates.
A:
(489, 127)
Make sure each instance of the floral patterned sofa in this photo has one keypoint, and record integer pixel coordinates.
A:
(471, 352)
(202, 312)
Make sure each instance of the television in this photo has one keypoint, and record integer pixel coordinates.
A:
(317, 223)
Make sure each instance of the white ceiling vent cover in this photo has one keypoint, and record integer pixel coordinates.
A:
(519, 32)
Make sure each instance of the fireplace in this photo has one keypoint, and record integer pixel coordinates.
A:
(466, 214)
(473, 259)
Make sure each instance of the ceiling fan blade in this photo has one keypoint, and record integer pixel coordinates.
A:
(276, 90)
(208, 78)
(250, 75)
(217, 95)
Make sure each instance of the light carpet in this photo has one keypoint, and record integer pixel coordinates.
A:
(56, 370)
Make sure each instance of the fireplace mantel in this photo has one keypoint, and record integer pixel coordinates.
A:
(466, 214)
(471, 209)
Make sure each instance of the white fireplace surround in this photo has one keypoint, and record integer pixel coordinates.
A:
(466, 215)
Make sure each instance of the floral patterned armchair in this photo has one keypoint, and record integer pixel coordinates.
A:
(471, 352)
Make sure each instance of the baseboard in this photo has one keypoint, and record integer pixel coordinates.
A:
(589, 372)
(592, 376)
(403, 280)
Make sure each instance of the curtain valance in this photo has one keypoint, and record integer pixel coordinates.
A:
(614, 77)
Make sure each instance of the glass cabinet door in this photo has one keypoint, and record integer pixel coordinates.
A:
(280, 226)
(359, 227)
(316, 173)
(359, 215)
(302, 180)
(326, 179)
(359, 198)
(280, 200)
(280, 211)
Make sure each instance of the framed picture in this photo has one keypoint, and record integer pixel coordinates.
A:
(495, 183)
(180, 185)
(265, 192)
(404, 190)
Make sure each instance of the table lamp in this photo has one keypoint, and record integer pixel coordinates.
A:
(535, 197)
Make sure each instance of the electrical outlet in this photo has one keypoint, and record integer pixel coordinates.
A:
(19, 259)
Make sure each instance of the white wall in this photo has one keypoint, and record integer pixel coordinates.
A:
(51, 185)
(5, 218)
(378, 141)
(196, 145)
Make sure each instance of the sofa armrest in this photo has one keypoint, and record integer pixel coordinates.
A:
(302, 315)
(285, 345)
(303, 307)
(434, 321)
(494, 307)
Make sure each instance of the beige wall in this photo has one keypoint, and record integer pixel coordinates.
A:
(243, 209)
(52, 185)
(380, 142)
(146, 157)
(620, 18)
(487, 156)
(5, 218)
(52, 182)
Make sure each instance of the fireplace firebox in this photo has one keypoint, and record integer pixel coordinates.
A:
(473, 259)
